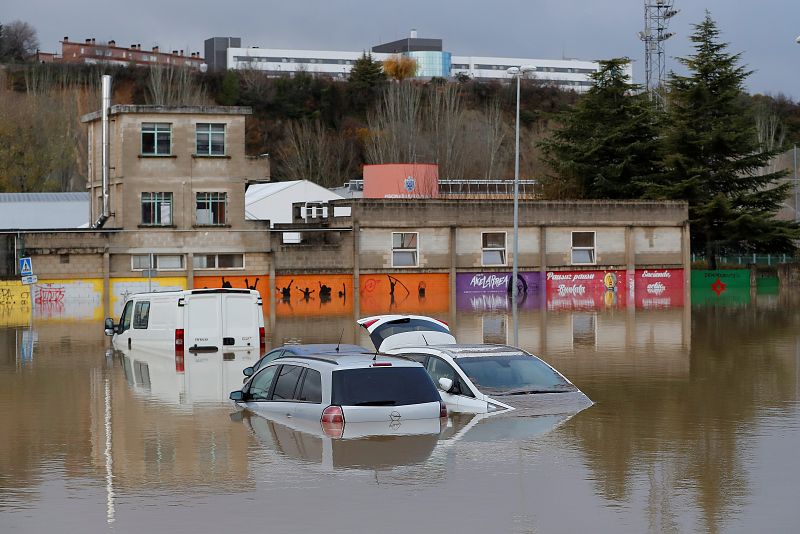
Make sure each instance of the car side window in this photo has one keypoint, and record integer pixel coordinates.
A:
(261, 384)
(141, 314)
(421, 358)
(287, 382)
(439, 368)
(125, 319)
(311, 388)
(269, 358)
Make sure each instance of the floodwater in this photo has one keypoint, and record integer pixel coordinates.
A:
(696, 428)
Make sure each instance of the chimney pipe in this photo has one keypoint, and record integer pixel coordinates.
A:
(155, 50)
(88, 41)
(112, 42)
(413, 33)
(66, 38)
(106, 104)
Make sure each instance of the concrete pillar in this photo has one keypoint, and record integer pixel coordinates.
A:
(190, 270)
(543, 296)
(106, 284)
(356, 273)
(686, 246)
(453, 274)
(272, 292)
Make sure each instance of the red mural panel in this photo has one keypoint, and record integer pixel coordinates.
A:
(659, 288)
(571, 290)
(418, 293)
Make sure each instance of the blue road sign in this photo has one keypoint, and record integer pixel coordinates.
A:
(25, 267)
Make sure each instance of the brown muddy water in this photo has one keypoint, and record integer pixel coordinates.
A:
(696, 428)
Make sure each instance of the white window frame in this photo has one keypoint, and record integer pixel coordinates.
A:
(161, 197)
(207, 129)
(415, 250)
(154, 260)
(503, 250)
(592, 250)
(216, 266)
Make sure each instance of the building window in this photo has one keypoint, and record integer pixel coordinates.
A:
(210, 139)
(211, 208)
(156, 139)
(157, 209)
(218, 261)
(64, 258)
(404, 249)
(494, 248)
(583, 248)
(160, 262)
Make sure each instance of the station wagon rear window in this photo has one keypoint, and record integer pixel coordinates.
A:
(398, 326)
(383, 386)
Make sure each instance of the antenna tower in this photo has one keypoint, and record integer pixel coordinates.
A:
(657, 14)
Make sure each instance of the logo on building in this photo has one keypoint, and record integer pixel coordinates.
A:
(410, 183)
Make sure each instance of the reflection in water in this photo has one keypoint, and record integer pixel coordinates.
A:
(695, 428)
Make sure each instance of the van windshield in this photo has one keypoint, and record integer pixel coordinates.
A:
(383, 386)
(510, 375)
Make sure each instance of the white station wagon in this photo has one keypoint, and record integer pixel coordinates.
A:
(343, 389)
(476, 378)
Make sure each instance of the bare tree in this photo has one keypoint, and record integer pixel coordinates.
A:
(771, 134)
(495, 130)
(446, 128)
(171, 86)
(395, 126)
(311, 152)
(19, 42)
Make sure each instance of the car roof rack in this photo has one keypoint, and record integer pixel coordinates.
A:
(306, 357)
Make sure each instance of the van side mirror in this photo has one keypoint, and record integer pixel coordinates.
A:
(237, 396)
(445, 384)
(110, 328)
(248, 371)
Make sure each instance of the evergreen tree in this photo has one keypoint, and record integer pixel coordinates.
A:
(607, 145)
(714, 159)
(365, 83)
(229, 92)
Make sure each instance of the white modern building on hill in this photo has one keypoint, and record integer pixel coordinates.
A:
(431, 59)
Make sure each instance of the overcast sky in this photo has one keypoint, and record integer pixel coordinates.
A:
(764, 32)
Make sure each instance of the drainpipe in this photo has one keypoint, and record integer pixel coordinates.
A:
(106, 104)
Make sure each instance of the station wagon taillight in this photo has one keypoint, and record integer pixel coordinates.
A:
(367, 324)
(262, 340)
(382, 364)
(332, 421)
(442, 409)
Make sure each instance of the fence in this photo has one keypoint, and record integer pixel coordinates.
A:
(747, 259)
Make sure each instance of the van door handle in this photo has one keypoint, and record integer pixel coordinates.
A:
(204, 348)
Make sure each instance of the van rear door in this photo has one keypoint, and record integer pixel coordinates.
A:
(203, 322)
(240, 314)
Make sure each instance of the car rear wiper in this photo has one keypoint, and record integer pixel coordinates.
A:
(376, 403)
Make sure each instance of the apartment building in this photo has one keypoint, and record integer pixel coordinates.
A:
(92, 52)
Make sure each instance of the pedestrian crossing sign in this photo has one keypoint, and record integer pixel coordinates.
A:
(25, 268)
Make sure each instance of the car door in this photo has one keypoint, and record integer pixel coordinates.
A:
(460, 398)
(122, 339)
(278, 399)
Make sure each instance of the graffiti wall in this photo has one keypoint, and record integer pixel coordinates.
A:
(15, 303)
(420, 293)
(122, 288)
(310, 295)
(575, 290)
(69, 300)
(491, 291)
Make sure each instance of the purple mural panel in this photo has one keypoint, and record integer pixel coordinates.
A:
(490, 291)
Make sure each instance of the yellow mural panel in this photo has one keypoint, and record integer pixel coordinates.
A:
(122, 288)
(68, 300)
(15, 303)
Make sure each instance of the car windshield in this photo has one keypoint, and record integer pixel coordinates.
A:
(509, 375)
(383, 386)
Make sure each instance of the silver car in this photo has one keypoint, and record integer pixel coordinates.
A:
(343, 389)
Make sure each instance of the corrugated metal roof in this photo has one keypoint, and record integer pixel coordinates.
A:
(32, 211)
(60, 196)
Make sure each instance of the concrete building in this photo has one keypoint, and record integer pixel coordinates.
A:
(91, 52)
(431, 58)
(216, 50)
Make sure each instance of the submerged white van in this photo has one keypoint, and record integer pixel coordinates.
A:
(196, 320)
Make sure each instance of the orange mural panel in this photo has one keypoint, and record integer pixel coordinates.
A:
(419, 293)
(314, 294)
(258, 282)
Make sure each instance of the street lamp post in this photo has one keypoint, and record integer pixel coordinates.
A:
(518, 73)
